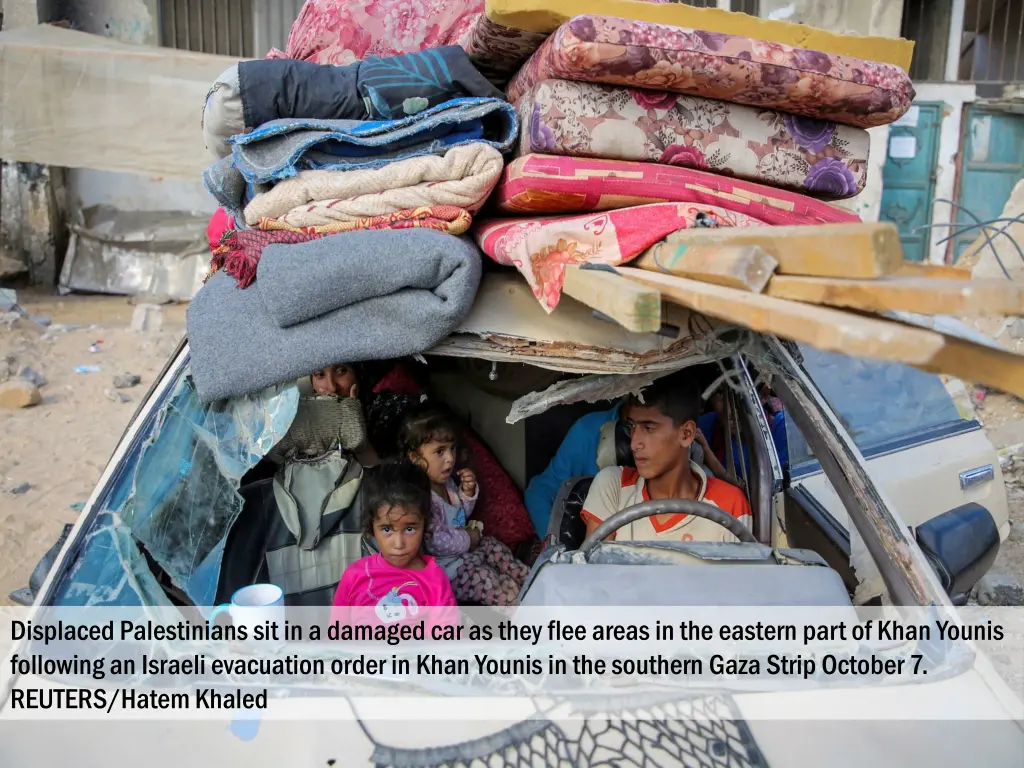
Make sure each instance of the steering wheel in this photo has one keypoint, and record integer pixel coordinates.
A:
(664, 507)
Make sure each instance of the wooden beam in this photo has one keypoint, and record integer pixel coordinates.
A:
(632, 306)
(980, 364)
(866, 250)
(744, 267)
(945, 271)
(828, 329)
(968, 353)
(927, 296)
(77, 100)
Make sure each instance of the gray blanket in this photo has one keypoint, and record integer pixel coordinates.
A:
(345, 298)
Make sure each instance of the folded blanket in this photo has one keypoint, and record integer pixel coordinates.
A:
(281, 149)
(350, 297)
(549, 184)
(374, 89)
(343, 31)
(542, 248)
(463, 177)
(239, 254)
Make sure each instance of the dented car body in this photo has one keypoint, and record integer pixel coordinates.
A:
(153, 537)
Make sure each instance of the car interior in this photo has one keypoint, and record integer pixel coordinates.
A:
(481, 395)
(752, 571)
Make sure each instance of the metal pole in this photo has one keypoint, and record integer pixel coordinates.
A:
(955, 41)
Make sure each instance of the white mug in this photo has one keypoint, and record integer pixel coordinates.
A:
(253, 607)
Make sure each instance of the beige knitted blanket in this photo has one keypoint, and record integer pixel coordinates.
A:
(463, 177)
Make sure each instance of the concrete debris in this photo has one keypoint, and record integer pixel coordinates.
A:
(10, 319)
(147, 318)
(6, 368)
(30, 374)
(117, 396)
(8, 299)
(18, 393)
(1000, 589)
(1016, 533)
(1016, 328)
(20, 489)
(127, 380)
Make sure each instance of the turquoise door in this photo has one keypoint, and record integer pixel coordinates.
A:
(908, 177)
(993, 164)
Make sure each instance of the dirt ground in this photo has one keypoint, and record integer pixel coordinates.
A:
(61, 446)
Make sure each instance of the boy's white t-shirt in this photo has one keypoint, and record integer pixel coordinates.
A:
(616, 488)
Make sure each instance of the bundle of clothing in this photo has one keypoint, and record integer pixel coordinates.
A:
(345, 193)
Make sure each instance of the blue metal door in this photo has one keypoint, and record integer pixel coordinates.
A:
(993, 164)
(908, 177)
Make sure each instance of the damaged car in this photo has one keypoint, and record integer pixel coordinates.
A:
(200, 500)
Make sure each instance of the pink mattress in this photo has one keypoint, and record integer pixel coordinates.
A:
(541, 249)
(546, 184)
(815, 157)
(604, 49)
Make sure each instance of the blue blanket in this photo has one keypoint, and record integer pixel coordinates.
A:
(283, 148)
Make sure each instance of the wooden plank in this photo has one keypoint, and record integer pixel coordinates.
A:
(85, 101)
(745, 267)
(965, 298)
(828, 329)
(968, 353)
(945, 271)
(980, 364)
(866, 250)
(632, 306)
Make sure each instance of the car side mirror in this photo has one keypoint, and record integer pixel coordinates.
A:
(960, 545)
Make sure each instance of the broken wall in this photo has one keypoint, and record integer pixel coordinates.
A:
(859, 17)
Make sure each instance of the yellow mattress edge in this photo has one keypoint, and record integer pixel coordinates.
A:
(540, 16)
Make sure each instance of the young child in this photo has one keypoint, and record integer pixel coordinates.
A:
(482, 569)
(399, 583)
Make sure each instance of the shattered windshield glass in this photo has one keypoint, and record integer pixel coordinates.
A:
(178, 498)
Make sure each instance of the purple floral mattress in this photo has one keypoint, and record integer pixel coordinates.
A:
(815, 157)
(604, 49)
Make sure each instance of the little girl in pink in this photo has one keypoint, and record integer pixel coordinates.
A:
(399, 583)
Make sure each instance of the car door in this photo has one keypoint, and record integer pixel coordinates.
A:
(919, 448)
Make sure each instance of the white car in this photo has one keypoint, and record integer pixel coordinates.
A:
(157, 533)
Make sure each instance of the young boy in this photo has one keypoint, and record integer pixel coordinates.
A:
(663, 427)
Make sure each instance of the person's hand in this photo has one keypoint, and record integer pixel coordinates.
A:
(701, 440)
(467, 482)
(474, 538)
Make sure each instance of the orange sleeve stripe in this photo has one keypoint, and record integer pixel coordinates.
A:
(727, 497)
(590, 515)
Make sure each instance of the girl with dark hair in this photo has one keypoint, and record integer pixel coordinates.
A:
(482, 569)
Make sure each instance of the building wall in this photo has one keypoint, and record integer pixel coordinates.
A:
(859, 17)
(137, 22)
(955, 97)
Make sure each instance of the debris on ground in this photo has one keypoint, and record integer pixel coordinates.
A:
(20, 489)
(78, 506)
(6, 368)
(148, 318)
(31, 374)
(127, 380)
(1000, 589)
(117, 396)
(18, 393)
(1016, 533)
(87, 369)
